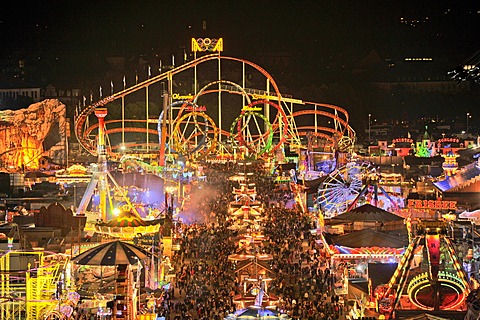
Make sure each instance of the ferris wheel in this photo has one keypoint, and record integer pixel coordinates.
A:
(341, 187)
(255, 132)
(195, 134)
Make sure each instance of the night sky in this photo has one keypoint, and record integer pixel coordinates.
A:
(323, 38)
(325, 27)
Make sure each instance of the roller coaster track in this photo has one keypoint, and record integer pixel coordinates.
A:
(339, 115)
(294, 131)
(80, 120)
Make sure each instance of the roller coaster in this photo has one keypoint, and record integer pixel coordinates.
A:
(222, 117)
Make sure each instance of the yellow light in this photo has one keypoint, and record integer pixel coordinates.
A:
(116, 212)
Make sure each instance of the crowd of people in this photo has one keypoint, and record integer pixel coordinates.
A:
(206, 282)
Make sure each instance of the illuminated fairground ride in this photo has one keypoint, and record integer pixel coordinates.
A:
(341, 187)
(221, 119)
(357, 183)
(429, 275)
(36, 285)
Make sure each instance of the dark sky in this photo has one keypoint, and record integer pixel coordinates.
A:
(317, 34)
(320, 26)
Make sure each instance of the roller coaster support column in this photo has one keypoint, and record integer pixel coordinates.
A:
(101, 113)
(163, 140)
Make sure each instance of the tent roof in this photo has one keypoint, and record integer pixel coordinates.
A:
(367, 213)
(459, 179)
(369, 238)
(243, 264)
(129, 219)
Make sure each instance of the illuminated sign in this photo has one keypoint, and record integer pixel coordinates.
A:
(177, 96)
(247, 108)
(196, 108)
(263, 96)
(454, 140)
(207, 44)
(408, 140)
(432, 204)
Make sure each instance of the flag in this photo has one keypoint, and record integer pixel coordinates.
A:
(111, 87)
(100, 92)
(124, 83)
(136, 77)
(149, 71)
(173, 60)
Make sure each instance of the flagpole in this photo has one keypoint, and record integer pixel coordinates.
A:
(123, 114)
(146, 108)
(146, 111)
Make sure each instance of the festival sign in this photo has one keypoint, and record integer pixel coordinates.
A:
(177, 96)
(431, 204)
(251, 109)
(263, 96)
(207, 44)
(196, 108)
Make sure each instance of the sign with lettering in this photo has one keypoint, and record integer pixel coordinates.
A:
(431, 204)
(196, 108)
(251, 109)
(398, 140)
(449, 140)
(177, 96)
(263, 96)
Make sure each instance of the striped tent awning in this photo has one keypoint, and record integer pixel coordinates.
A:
(111, 254)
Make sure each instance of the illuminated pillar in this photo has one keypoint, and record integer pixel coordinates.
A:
(101, 113)
(266, 108)
(163, 138)
(147, 116)
(219, 99)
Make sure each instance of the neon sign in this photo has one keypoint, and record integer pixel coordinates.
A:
(408, 140)
(196, 108)
(263, 96)
(207, 44)
(247, 108)
(454, 140)
(177, 96)
(432, 204)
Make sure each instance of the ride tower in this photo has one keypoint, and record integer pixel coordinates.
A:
(100, 179)
(101, 113)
